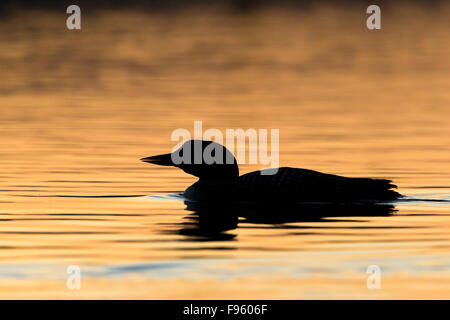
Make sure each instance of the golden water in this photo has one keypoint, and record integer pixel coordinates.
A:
(79, 108)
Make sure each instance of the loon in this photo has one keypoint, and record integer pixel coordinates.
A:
(219, 181)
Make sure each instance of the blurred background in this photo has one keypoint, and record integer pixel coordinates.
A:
(78, 108)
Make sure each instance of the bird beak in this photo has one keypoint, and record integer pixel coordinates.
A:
(162, 159)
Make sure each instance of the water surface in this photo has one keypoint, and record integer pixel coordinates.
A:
(78, 109)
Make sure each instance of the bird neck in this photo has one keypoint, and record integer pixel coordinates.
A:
(217, 181)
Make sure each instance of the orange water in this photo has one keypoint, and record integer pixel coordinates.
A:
(79, 108)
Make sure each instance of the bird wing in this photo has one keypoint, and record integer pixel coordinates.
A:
(304, 184)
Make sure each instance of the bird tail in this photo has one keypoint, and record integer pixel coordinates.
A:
(376, 189)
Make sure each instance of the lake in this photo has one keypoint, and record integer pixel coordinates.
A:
(78, 109)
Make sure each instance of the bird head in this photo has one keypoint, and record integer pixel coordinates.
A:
(207, 160)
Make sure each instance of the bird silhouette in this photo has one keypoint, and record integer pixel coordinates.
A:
(219, 180)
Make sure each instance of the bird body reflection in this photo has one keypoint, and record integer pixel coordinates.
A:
(208, 222)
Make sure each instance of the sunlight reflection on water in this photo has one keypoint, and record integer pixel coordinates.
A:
(78, 111)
